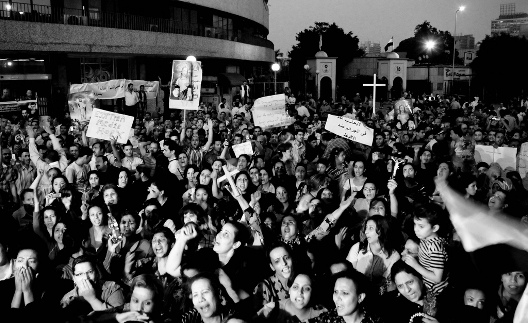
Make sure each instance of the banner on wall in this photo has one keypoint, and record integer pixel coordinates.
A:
(115, 89)
(16, 106)
(185, 86)
(350, 129)
(504, 156)
(270, 112)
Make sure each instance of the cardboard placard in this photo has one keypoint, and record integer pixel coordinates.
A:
(270, 112)
(106, 124)
(243, 148)
(350, 129)
(504, 156)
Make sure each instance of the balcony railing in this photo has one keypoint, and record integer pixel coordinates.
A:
(95, 18)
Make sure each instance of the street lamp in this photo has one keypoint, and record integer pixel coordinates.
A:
(191, 59)
(429, 45)
(275, 68)
(306, 68)
(461, 8)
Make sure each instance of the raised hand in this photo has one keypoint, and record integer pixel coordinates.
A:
(86, 290)
(189, 232)
(132, 317)
(392, 185)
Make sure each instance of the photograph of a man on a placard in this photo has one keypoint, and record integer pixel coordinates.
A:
(181, 88)
(81, 105)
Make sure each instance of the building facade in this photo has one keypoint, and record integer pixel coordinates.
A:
(45, 45)
(509, 22)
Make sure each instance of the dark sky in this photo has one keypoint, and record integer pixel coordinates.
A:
(378, 20)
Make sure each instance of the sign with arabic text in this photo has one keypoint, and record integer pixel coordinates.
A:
(16, 106)
(270, 112)
(350, 129)
(115, 89)
(105, 125)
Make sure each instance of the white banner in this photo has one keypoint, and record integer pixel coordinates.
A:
(523, 160)
(186, 84)
(504, 156)
(270, 112)
(105, 125)
(15, 106)
(350, 129)
(115, 89)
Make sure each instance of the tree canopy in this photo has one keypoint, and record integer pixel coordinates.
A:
(442, 53)
(501, 66)
(336, 43)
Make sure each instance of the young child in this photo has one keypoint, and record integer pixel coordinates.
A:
(432, 255)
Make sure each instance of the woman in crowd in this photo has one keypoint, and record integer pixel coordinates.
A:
(301, 303)
(265, 184)
(337, 164)
(357, 178)
(375, 255)
(275, 288)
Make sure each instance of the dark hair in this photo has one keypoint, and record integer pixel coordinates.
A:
(213, 280)
(360, 282)
(333, 154)
(59, 176)
(399, 267)
(171, 145)
(194, 209)
(167, 233)
(365, 172)
(383, 230)
(241, 232)
(283, 148)
(85, 151)
(85, 258)
(430, 211)
(162, 184)
(144, 169)
(24, 192)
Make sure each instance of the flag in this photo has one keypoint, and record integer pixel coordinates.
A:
(389, 44)
(479, 229)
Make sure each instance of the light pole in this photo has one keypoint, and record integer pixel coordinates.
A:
(306, 69)
(461, 8)
(429, 45)
(275, 68)
(317, 83)
(191, 59)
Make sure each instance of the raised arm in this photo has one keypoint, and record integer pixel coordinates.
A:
(210, 138)
(173, 265)
(115, 152)
(324, 228)
(393, 200)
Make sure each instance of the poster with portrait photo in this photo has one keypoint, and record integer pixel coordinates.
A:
(185, 86)
(81, 105)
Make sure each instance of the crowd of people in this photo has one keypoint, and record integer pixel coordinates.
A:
(173, 226)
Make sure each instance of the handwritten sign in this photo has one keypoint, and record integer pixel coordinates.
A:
(115, 89)
(186, 85)
(243, 148)
(523, 160)
(350, 129)
(270, 112)
(504, 156)
(106, 124)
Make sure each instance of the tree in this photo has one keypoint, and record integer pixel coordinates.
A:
(336, 43)
(500, 67)
(415, 46)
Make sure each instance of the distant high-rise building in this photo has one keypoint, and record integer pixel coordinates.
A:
(371, 49)
(509, 21)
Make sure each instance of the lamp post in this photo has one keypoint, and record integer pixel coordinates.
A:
(317, 83)
(275, 68)
(191, 59)
(461, 8)
(429, 45)
(306, 69)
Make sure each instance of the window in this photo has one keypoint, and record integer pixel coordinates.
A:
(223, 27)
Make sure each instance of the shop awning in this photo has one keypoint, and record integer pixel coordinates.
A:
(234, 79)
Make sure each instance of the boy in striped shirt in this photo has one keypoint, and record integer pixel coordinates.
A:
(432, 255)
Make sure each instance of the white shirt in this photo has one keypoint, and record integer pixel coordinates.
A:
(303, 111)
(131, 98)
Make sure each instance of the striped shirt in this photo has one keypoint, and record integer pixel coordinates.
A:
(432, 255)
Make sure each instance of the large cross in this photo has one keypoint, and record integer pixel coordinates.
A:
(374, 85)
(229, 176)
